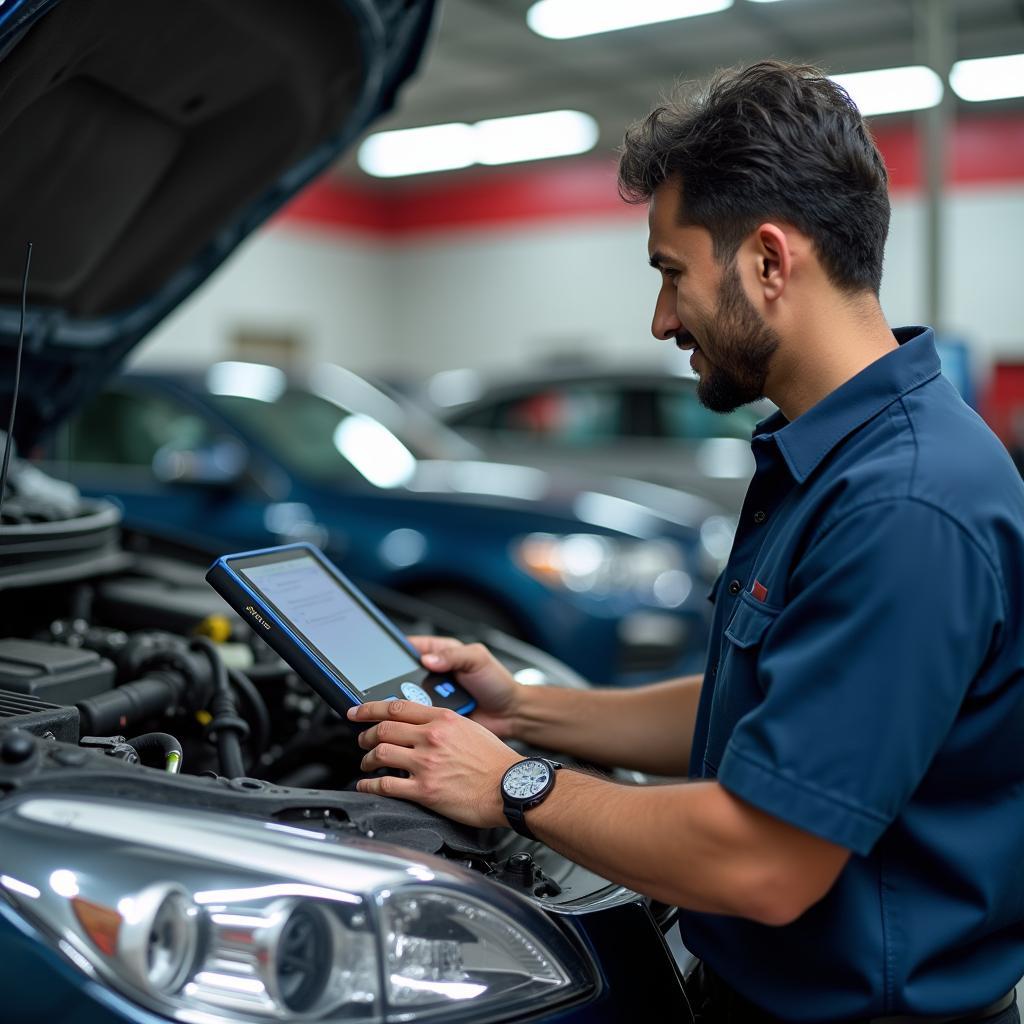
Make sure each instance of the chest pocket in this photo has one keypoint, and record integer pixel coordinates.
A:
(750, 621)
(737, 687)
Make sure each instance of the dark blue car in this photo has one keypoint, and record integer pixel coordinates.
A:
(179, 835)
(608, 575)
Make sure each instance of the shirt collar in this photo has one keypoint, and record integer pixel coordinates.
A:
(810, 437)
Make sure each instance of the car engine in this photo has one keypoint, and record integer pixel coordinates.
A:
(122, 673)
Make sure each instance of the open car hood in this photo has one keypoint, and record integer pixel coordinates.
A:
(144, 141)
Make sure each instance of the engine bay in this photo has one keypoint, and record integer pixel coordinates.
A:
(123, 674)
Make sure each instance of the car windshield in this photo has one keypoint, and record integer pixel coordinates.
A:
(317, 440)
(683, 416)
(321, 440)
(595, 413)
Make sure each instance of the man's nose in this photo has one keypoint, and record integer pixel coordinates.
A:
(666, 324)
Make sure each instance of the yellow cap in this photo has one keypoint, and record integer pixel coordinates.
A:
(216, 627)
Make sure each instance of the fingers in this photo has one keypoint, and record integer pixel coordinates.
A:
(433, 644)
(444, 654)
(397, 710)
(389, 755)
(390, 732)
(389, 785)
(464, 658)
(453, 764)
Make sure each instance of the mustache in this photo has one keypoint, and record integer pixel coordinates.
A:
(685, 340)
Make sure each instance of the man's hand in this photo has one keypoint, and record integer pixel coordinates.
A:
(496, 693)
(648, 728)
(455, 765)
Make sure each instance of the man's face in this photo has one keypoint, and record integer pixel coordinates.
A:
(703, 307)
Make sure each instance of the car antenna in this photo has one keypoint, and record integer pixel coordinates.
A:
(17, 382)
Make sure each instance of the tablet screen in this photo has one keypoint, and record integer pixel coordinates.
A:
(330, 620)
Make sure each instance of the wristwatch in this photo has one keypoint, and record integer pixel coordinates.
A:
(525, 785)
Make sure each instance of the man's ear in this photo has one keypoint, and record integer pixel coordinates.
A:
(774, 260)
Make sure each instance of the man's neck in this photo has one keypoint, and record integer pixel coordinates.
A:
(831, 347)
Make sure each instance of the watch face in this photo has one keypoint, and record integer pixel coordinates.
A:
(526, 779)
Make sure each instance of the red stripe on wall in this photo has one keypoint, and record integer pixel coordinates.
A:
(983, 151)
(578, 188)
(990, 150)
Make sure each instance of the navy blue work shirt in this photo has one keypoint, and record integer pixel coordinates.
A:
(865, 683)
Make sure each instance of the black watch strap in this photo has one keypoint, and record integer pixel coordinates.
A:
(517, 819)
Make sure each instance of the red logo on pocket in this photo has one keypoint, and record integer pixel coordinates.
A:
(759, 592)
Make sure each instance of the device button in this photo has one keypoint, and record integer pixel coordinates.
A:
(444, 689)
(416, 694)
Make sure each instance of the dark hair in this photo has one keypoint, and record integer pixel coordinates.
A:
(770, 140)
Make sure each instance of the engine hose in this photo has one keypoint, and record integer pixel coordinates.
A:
(258, 714)
(227, 729)
(128, 705)
(158, 750)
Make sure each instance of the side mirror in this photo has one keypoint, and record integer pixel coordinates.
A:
(220, 464)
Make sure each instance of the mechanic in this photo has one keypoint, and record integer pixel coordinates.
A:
(849, 846)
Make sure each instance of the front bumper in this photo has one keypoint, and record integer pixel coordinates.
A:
(639, 977)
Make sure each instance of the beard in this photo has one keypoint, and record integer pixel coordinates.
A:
(737, 347)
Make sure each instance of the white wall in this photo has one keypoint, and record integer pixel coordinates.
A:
(507, 297)
(326, 288)
(983, 287)
(984, 273)
(516, 298)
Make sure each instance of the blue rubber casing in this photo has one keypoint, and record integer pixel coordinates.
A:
(310, 664)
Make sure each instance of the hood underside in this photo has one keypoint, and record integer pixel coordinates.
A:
(144, 141)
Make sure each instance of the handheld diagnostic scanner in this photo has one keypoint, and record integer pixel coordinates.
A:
(328, 631)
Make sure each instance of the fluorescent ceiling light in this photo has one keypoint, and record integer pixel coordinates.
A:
(892, 89)
(502, 140)
(441, 147)
(990, 78)
(569, 19)
(507, 140)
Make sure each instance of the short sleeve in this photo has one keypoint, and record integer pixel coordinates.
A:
(890, 615)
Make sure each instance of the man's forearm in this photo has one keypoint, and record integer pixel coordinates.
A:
(691, 845)
(695, 845)
(648, 729)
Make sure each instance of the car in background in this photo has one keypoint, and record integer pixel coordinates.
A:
(607, 575)
(623, 421)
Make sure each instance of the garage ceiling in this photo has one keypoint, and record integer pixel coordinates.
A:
(485, 62)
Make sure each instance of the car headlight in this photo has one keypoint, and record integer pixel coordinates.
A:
(652, 570)
(207, 917)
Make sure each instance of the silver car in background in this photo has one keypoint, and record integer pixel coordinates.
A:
(644, 423)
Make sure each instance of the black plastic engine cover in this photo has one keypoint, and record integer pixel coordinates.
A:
(63, 675)
(58, 767)
(22, 711)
